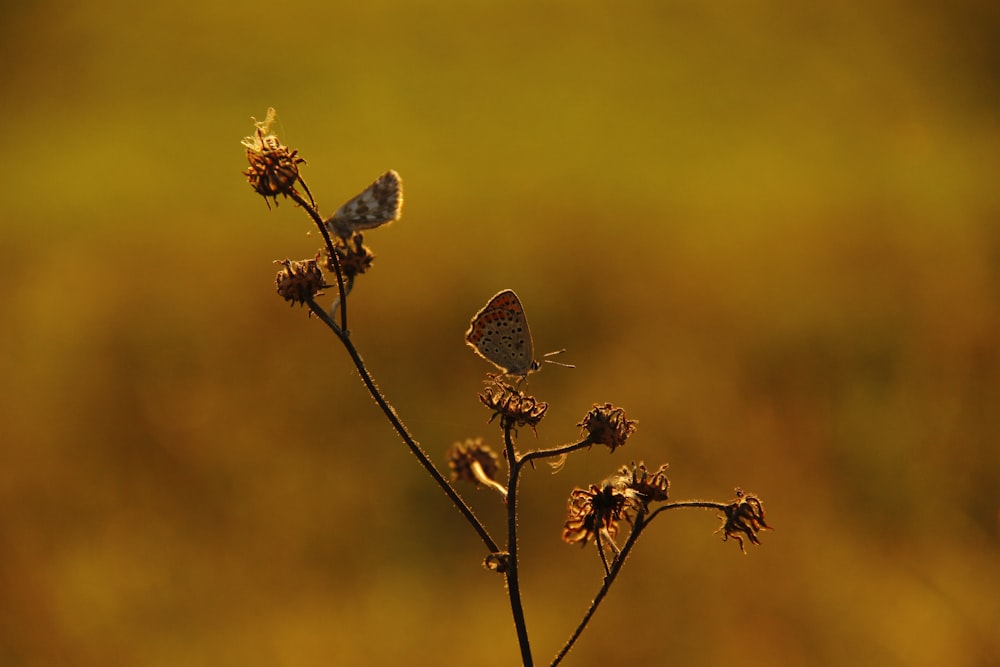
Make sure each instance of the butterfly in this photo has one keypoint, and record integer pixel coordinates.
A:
(499, 333)
(379, 204)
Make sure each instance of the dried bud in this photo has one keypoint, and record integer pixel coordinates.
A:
(592, 510)
(497, 562)
(274, 169)
(513, 406)
(355, 257)
(299, 281)
(473, 461)
(642, 486)
(607, 425)
(744, 515)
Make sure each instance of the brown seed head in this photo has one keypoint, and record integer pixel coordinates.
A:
(643, 487)
(592, 510)
(299, 281)
(607, 425)
(744, 516)
(355, 257)
(473, 461)
(513, 406)
(274, 169)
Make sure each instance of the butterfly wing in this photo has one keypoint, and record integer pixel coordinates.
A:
(380, 203)
(499, 333)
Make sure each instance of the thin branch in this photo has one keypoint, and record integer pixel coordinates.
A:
(334, 257)
(616, 567)
(600, 550)
(557, 451)
(641, 522)
(513, 583)
(705, 504)
(400, 428)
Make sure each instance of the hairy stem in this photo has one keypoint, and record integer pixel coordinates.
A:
(557, 451)
(609, 579)
(513, 583)
(310, 208)
(400, 428)
(640, 524)
(704, 504)
(600, 550)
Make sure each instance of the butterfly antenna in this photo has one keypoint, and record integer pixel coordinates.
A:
(556, 363)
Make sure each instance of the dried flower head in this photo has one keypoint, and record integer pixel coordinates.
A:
(497, 562)
(473, 461)
(607, 425)
(643, 487)
(744, 515)
(355, 257)
(598, 508)
(513, 406)
(299, 281)
(274, 169)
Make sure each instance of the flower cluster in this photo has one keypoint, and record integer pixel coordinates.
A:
(601, 507)
(274, 170)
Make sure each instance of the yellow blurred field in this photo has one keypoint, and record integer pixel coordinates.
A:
(770, 232)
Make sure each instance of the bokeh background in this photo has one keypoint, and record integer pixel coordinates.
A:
(768, 230)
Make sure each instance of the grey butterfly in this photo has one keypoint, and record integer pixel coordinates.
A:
(379, 204)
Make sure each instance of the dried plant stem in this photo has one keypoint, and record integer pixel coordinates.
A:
(640, 524)
(704, 504)
(609, 579)
(556, 451)
(600, 550)
(310, 208)
(486, 480)
(513, 583)
(400, 428)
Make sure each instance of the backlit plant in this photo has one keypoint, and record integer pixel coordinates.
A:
(625, 502)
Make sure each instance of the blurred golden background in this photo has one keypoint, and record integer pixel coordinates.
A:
(769, 231)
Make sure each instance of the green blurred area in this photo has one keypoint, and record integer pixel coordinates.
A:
(768, 231)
